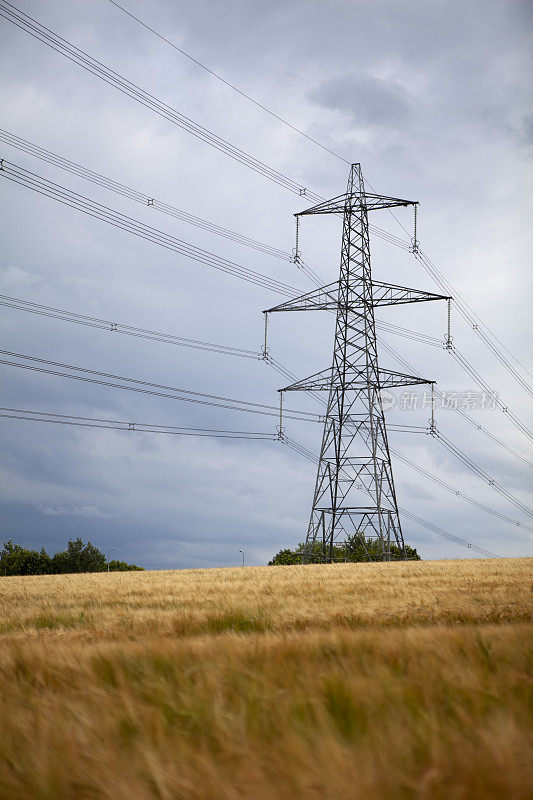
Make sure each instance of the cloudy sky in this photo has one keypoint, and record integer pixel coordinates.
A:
(433, 98)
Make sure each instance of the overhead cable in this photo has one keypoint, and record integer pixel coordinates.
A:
(166, 338)
(481, 330)
(152, 202)
(457, 492)
(227, 83)
(469, 369)
(407, 333)
(43, 34)
(118, 327)
(142, 198)
(145, 387)
(480, 472)
(138, 427)
(467, 418)
(92, 422)
(447, 535)
(53, 190)
(29, 25)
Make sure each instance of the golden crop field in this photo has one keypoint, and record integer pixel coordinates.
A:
(333, 682)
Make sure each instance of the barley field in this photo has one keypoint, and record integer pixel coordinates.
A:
(338, 682)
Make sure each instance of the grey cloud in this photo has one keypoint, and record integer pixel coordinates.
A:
(526, 130)
(89, 512)
(367, 100)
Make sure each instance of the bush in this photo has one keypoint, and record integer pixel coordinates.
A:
(16, 560)
(356, 548)
(78, 557)
(122, 566)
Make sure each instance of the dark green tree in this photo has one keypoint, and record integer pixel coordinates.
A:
(356, 548)
(79, 557)
(122, 566)
(286, 557)
(18, 560)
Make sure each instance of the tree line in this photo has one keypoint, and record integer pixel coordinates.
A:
(78, 557)
(356, 548)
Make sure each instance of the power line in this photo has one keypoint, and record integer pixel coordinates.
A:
(227, 83)
(118, 327)
(138, 427)
(67, 197)
(68, 316)
(234, 351)
(145, 199)
(446, 534)
(165, 338)
(457, 492)
(480, 472)
(137, 196)
(171, 392)
(475, 323)
(407, 333)
(43, 34)
(467, 418)
(392, 238)
(469, 369)
(28, 180)
(147, 387)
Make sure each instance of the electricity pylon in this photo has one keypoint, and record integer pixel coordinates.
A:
(354, 456)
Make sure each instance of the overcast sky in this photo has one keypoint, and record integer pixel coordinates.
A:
(433, 98)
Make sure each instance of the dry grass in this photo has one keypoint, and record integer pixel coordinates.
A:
(334, 682)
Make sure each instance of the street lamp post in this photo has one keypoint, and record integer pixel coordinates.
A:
(108, 554)
(242, 551)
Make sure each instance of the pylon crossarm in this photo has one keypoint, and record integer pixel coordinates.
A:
(389, 379)
(318, 382)
(325, 380)
(323, 299)
(326, 298)
(347, 510)
(387, 294)
(355, 201)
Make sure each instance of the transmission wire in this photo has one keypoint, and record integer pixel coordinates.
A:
(97, 68)
(117, 327)
(460, 411)
(145, 199)
(137, 427)
(147, 387)
(96, 322)
(470, 317)
(67, 197)
(223, 80)
(457, 492)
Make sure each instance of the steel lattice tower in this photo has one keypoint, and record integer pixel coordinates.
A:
(354, 456)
